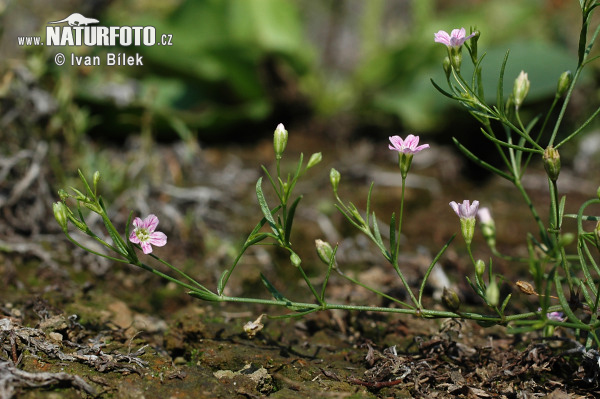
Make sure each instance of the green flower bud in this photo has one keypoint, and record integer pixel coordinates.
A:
(492, 294)
(334, 178)
(564, 82)
(314, 159)
(324, 251)
(551, 159)
(520, 89)
(95, 180)
(566, 239)
(280, 139)
(61, 215)
(450, 299)
(295, 259)
(479, 268)
(447, 67)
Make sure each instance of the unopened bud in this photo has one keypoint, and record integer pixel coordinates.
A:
(324, 251)
(295, 259)
(479, 268)
(551, 159)
(60, 213)
(488, 226)
(314, 159)
(564, 82)
(492, 293)
(96, 179)
(334, 178)
(447, 67)
(450, 299)
(280, 139)
(566, 239)
(521, 88)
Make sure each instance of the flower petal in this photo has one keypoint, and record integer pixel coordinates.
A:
(158, 238)
(454, 206)
(146, 247)
(133, 237)
(442, 37)
(151, 222)
(137, 222)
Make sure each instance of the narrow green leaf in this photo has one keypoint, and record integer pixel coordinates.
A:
(368, 211)
(561, 210)
(85, 183)
(205, 296)
(376, 231)
(264, 207)
(505, 303)
(393, 245)
(224, 277)
(276, 294)
(500, 92)
(481, 163)
(289, 220)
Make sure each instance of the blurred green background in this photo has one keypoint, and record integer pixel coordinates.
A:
(237, 68)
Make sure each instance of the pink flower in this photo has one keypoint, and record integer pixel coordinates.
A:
(465, 210)
(485, 217)
(408, 146)
(145, 235)
(455, 39)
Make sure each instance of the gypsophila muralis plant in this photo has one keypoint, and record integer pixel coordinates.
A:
(566, 286)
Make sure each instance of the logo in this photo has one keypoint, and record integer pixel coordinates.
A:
(76, 19)
(77, 30)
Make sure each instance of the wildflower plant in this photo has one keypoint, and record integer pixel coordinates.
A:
(563, 283)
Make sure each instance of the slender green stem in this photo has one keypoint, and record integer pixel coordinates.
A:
(180, 272)
(375, 291)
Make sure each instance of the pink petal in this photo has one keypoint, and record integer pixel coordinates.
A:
(454, 206)
(442, 37)
(158, 238)
(134, 238)
(146, 247)
(151, 222)
(137, 222)
(458, 33)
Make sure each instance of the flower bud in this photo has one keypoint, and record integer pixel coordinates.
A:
(564, 82)
(450, 299)
(521, 88)
(96, 179)
(60, 213)
(295, 259)
(492, 293)
(479, 268)
(566, 239)
(551, 159)
(447, 67)
(280, 139)
(314, 159)
(324, 251)
(334, 178)
(488, 226)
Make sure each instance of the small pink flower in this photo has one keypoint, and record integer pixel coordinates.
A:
(408, 146)
(455, 39)
(145, 235)
(465, 210)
